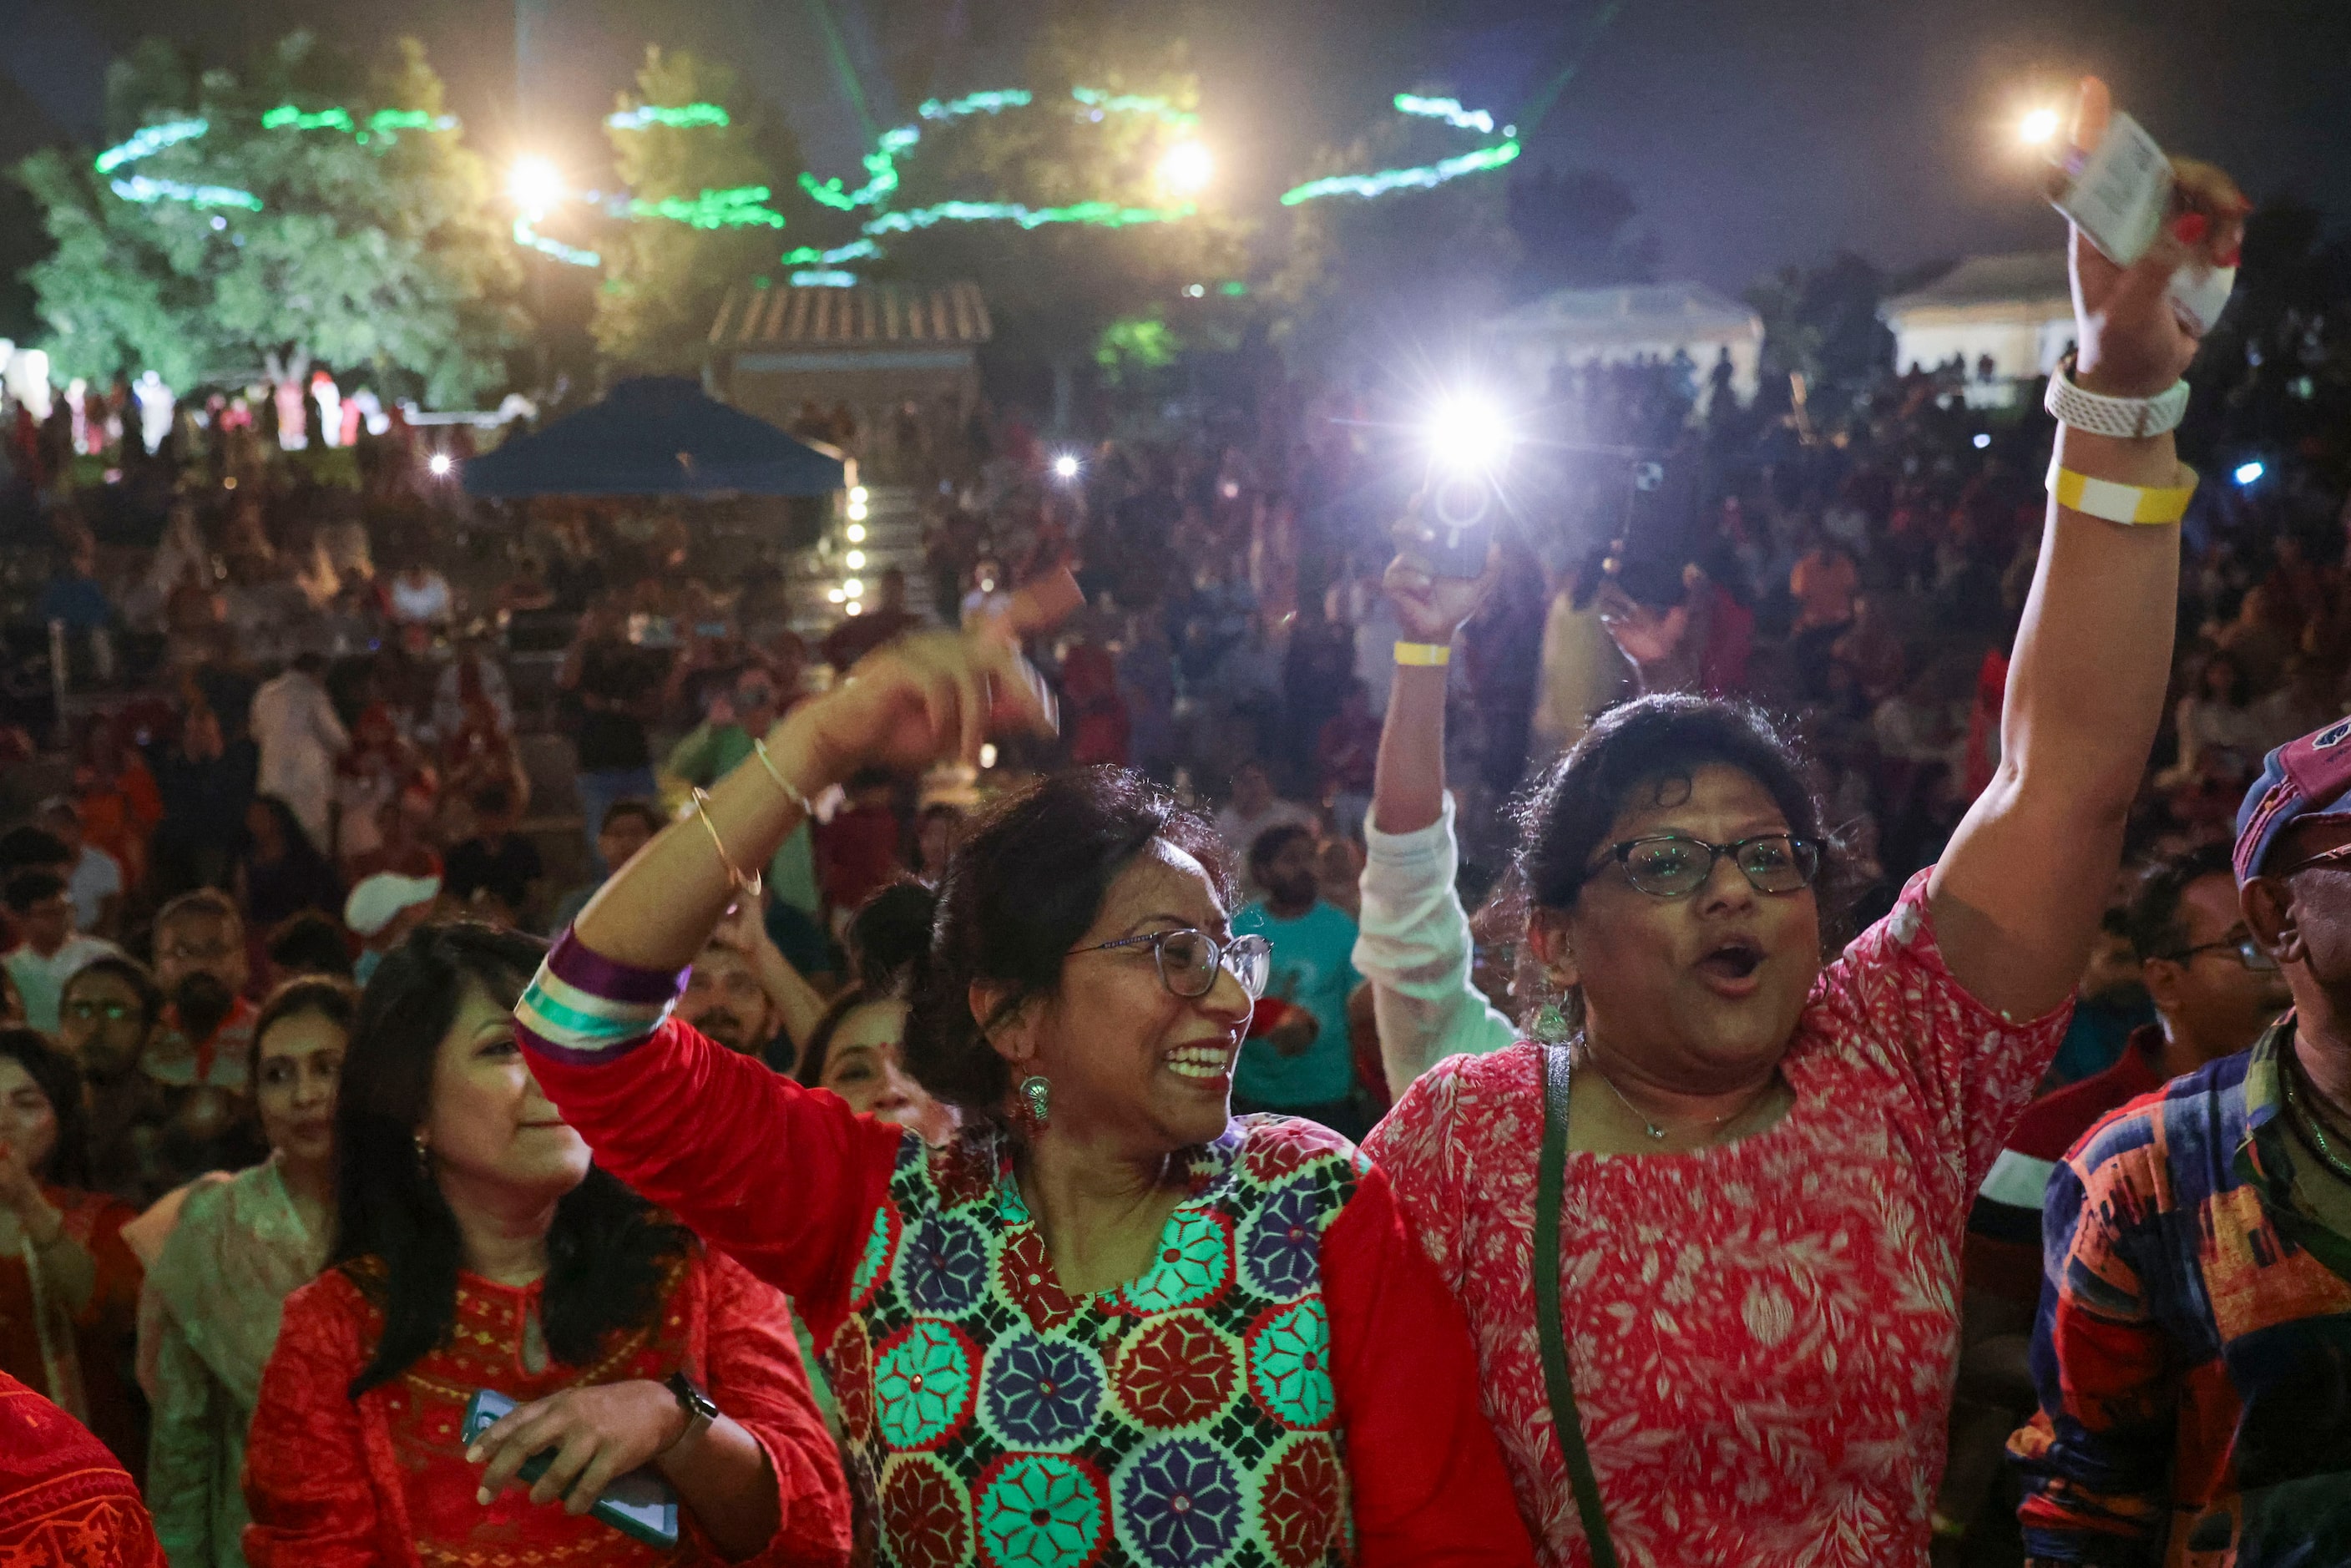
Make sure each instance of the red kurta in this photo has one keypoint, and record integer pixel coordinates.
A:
(64, 1501)
(338, 1483)
(797, 1185)
(93, 1359)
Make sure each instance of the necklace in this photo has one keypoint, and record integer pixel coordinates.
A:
(1656, 1132)
(2306, 1120)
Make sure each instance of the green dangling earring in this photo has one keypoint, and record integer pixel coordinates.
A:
(1550, 1024)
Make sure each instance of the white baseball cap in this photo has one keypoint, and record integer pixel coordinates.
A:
(378, 900)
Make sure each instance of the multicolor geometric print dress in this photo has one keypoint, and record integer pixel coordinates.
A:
(1287, 1385)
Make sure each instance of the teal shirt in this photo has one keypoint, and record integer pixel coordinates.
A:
(1313, 967)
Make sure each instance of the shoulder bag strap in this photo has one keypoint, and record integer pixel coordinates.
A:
(1551, 1186)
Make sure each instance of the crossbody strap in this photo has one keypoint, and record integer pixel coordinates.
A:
(1551, 1186)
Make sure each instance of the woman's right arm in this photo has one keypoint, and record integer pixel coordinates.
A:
(761, 1168)
(1413, 940)
(306, 1470)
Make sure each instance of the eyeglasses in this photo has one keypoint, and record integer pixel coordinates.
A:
(1672, 865)
(113, 1012)
(2250, 952)
(1189, 961)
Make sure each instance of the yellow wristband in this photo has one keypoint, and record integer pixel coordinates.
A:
(2126, 504)
(1424, 655)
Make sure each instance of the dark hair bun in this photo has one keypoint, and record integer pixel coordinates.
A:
(890, 931)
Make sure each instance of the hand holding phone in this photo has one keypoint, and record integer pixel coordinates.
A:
(603, 1437)
(2155, 249)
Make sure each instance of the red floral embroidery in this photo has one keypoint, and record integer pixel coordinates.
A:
(1176, 1373)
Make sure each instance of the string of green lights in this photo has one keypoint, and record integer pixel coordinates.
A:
(747, 206)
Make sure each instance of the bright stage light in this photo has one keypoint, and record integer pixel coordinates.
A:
(1186, 167)
(535, 183)
(2248, 472)
(440, 462)
(857, 560)
(857, 533)
(853, 588)
(857, 496)
(1982, 440)
(853, 608)
(834, 596)
(1468, 431)
(2039, 128)
(1065, 466)
(987, 754)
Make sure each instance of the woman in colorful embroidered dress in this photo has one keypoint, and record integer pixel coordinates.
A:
(68, 1284)
(476, 1247)
(1770, 1163)
(239, 1249)
(1105, 1322)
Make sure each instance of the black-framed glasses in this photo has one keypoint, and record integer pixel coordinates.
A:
(1188, 959)
(1674, 865)
(2249, 953)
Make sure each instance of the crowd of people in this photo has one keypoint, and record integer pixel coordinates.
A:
(856, 1176)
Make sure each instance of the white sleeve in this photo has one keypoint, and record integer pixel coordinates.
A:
(1411, 943)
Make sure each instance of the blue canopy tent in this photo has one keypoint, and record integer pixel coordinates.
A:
(655, 435)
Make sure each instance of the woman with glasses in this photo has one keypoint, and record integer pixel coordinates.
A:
(1717, 1316)
(1105, 1322)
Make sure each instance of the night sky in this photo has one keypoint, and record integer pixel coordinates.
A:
(1753, 133)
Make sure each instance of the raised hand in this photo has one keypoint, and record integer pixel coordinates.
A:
(2132, 342)
(1433, 608)
(920, 700)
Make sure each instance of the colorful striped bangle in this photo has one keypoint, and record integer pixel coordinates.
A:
(2128, 504)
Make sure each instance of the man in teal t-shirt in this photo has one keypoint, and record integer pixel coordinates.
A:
(1294, 1070)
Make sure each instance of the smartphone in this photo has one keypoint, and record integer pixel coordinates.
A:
(1451, 525)
(641, 1504)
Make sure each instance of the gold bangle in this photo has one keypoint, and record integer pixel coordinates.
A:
(759, 750)
(1424, 655)
(742, 884)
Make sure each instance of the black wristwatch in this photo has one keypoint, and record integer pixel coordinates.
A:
(699, 1411)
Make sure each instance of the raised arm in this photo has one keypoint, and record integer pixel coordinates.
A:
(1413, 938)
(2017, 896)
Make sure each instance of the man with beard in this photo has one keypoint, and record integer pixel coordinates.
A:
(111, 1011)
(743, 993)
(2193, 1314)
(203, 1052)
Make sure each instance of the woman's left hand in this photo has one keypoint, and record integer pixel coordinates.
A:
(599, 1433)
(20, 1189)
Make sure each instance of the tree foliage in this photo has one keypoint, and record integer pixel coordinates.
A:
(371, 249)
(664, 281)
(1575, 230)
(1058, 286)
(1821, 323)
(1410, 269)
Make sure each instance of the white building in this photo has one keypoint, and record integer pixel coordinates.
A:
(2016, 311)
(1611, 326)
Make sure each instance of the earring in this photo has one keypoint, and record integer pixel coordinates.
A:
(424, 1155)
(1037, 1100)
(1550, 1024)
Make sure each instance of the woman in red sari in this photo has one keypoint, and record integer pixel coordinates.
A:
(477, 1249)
(68, 1283)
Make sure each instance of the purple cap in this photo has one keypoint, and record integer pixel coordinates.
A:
(2303, 780)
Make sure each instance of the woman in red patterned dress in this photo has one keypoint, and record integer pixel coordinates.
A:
(1105, 1324)
(1769, 1164)
(68, 1283)
(65, 1501)
(477, 1249)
